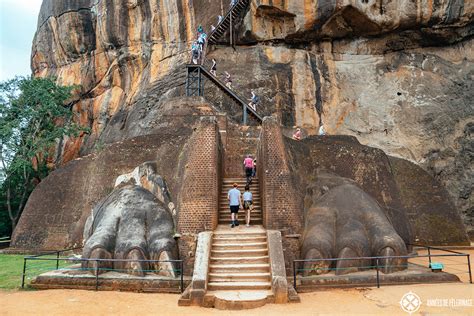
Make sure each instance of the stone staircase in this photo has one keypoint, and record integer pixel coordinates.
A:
(239, 270)
(224, 211)
(241, 141)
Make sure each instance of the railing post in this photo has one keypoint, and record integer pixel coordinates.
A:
(294, 275)
(199, 82)
(429, 256)
(57, 260)
(24, 273)
(378, 276)
(245, 114)
(231, 29)
(97, 275)
(469, 267)
(182, 275)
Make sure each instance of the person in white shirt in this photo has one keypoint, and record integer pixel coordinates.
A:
(322, 131)
(248, 203)
(235, 201)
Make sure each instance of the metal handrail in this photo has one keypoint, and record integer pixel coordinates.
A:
(225, 17)
(235, 95)
(96, 260)
(377, 260)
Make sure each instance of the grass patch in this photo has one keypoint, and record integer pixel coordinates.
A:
(11, 269)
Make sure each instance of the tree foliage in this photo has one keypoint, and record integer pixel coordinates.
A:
(34, 116)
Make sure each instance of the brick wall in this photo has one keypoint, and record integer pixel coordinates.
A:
(281, 208)
(199, 194)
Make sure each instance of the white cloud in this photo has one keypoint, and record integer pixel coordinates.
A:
(31, 7)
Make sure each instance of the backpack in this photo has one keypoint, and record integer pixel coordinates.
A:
(255, 99)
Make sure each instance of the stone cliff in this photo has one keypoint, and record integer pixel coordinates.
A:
(398, 75)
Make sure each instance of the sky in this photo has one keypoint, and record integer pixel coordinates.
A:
(18, 19)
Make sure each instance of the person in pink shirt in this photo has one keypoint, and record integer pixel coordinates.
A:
(248, 165)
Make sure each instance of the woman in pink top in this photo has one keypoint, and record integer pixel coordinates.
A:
(248, 164)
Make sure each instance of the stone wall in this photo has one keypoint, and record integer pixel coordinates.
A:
(199, 198)
(278, 190)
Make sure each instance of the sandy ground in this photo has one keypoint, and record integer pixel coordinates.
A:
(373, 301)
(437, 299)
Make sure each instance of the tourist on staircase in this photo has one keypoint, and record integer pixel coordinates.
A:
(254, 172)
(219, 19)
(297, 134)
(248, 201)
(248, 165)
(322, 131)
(253, 101)
(235, 202)
(232, 3)
(228, 80)
(213, 70)
(195, 52)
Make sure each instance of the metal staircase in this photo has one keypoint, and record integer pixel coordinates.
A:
(197, 73)
(228, 21)
(195, 87)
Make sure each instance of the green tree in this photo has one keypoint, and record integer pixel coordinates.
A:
(34, 115)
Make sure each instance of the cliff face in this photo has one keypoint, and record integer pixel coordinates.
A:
(396, 74)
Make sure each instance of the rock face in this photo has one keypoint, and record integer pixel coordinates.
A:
(395, 74)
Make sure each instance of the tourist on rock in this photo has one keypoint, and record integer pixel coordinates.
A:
(297, 134)
(248, 203)
(254, 172)
(248, 165)
(235, 202)
(253, 101)
(214, 68)
(322, 131)
(228, 80)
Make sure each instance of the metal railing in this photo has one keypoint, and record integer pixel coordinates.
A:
(4, 242)
(73, 260)
(376, 262)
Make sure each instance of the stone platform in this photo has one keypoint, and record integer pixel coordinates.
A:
(414, 274)
(74, 278)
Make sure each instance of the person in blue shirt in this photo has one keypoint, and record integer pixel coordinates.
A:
(235, 201)
(248, 203)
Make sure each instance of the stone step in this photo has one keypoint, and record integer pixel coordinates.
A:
(238, 234)
(240, 240)
(242, 214)
(239, 260)
(238, 268)
(215, 286)
(253, 219)
(239, 300)
(238, 180)
(239, 253)
(226, 211)
(231, 277)
(231, 246)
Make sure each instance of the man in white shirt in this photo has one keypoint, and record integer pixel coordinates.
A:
(235, 201)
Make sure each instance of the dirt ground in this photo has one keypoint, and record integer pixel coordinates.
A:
(371, 301)
(439, 299)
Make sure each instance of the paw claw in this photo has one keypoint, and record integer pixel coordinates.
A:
(347, 266)
(136, 267)
(315, 267)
